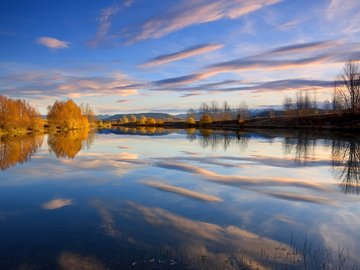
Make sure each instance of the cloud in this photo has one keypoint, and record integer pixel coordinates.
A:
(32, 83)
(294, 56)
(57, 203)
(242, 245)
(190, 95)
(52, 43)
(189, 13)
(186, 53)
(108, 222)
(182, 191)
(344, 16)
(70, 261)
(105, 21)
(122, 100)
(250, 181)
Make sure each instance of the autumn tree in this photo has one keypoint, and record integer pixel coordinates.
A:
(18, 114)
(142, 120)
(347, 87)
(206, 119)
(124, 119)
(66, 115)
(133, 119)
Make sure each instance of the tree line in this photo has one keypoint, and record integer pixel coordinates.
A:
(213, 112)
(19, 115)
(346, 95)
(143, 120)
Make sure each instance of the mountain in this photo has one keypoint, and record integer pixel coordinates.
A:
(163, 116)
(103, 116)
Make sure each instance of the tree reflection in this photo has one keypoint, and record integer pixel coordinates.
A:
(302, 146)
(346, 164)
(18, 149)
(68, 144)
(209, 138)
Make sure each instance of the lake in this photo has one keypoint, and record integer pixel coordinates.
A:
(174, 199)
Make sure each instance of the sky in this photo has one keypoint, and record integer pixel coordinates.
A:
(168, 56)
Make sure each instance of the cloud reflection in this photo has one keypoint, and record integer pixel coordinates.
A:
(205, 238)
(182, 191)
(57, 203)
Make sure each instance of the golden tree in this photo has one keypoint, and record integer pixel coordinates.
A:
(66, 115)
(18, 114)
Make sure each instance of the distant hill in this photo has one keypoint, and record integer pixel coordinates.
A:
(103, 116)
(163, 116)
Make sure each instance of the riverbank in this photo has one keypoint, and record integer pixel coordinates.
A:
(330, 121)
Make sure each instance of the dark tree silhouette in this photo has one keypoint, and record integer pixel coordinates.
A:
(347, 87)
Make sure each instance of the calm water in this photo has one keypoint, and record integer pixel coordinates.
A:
(162, 199)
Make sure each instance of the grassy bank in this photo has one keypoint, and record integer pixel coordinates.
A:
(329, 121)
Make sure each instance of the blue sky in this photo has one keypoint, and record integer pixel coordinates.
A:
(168, 56)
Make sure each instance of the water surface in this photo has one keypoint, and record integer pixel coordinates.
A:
(154, 198)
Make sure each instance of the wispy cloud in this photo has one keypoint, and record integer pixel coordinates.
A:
(122, 100)
(59, 83)
(183, 191)
(186, 53)
(68, 261)
(294, 56)
(57, 203)
(105, 21)
(53, 43)
(189, 13)
(345, 15)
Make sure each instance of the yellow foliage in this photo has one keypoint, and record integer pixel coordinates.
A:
(206, 119)
(66, 115)
(67, 144)
(18, 149)
(18, 114)
(190, 120)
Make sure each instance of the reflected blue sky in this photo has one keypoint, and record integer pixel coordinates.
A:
(120, 194)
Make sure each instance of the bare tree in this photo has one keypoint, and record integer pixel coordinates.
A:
(288, 104)
(204, 109)
(226, 111)
(243, 111)
(327, 105)
(347, 87)
(215, 110)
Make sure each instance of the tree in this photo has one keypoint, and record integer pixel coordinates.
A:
(66, 115)
(206, 119)
(190, 120)
(226, 111)
(150, 121)
(327, 105)
(133, 119)
(347, 87)
(142, 120)
(88, 112)
(124, 119)
(215, 110)
(288, 104)
(243, 111)
(18, 114)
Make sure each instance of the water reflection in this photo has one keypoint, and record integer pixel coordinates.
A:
(213, 139)
(302, 145)
(18, 148)
(68, 144)
(346, 164)
(149, 131)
